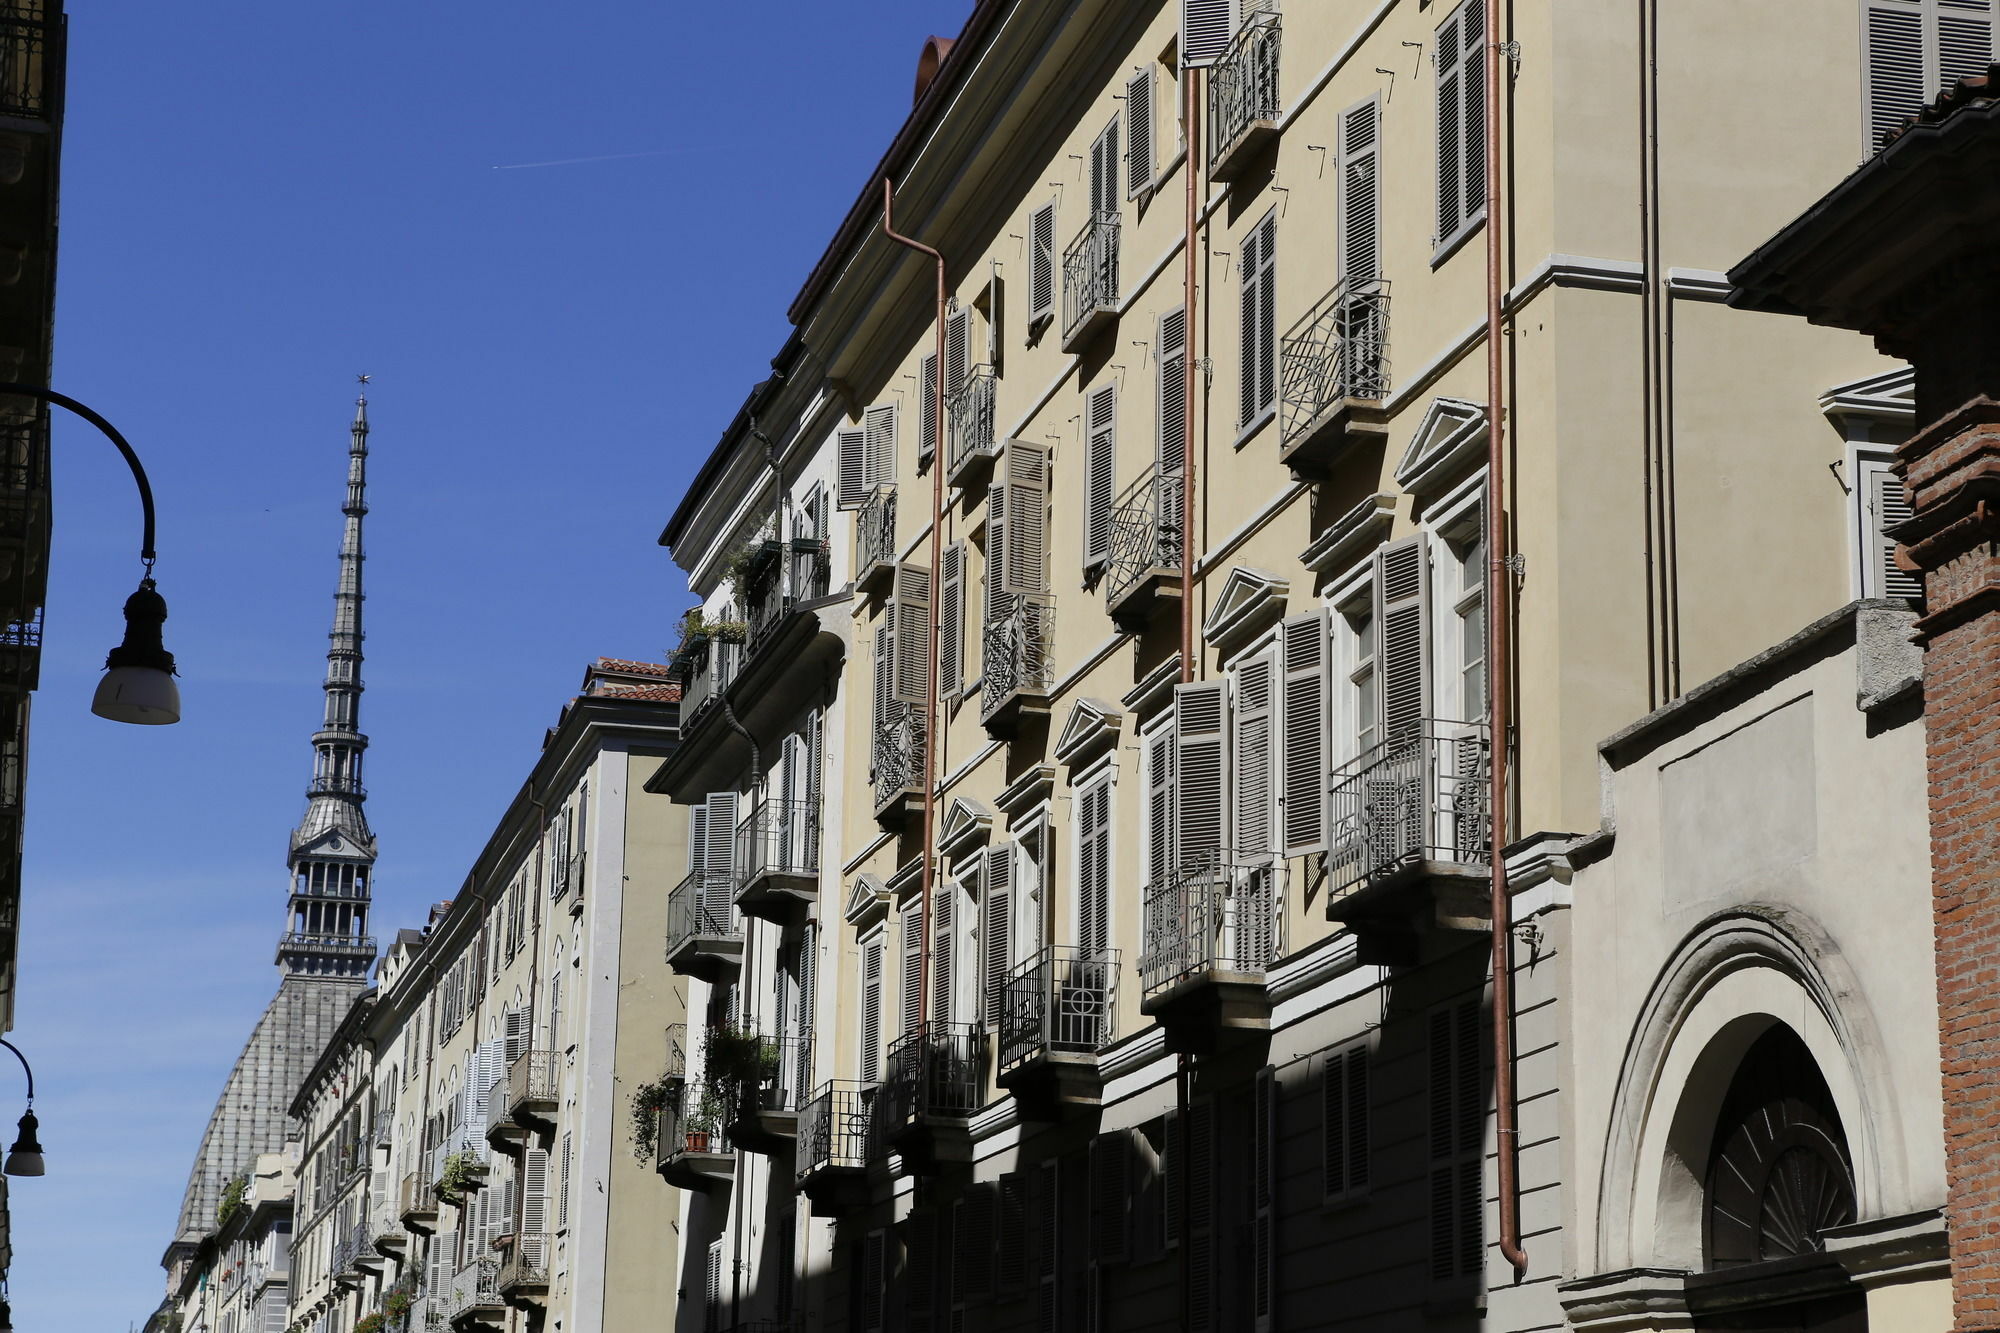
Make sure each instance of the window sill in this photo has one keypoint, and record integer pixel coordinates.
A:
(1256, 426)
(1451, 244)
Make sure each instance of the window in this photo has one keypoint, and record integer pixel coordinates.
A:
(1457, 1141)
(1303, 749)
(1206, 27)
(1139, 152)
(1879, 502)
(1170, 444)
(1157, 765)
(1468, 548)
(1257, 318)
(1093, 865)
(1461, 123)
(1100, 475)
(1104, 192)
(1041, 267)
(1360, 220)
(927, 423)
(1344, 1121)
(1912, 50)
(951, 621)
(866, 458)
(1253, 752)
(869, 1065)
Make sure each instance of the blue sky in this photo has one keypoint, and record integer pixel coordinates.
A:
(260, 200)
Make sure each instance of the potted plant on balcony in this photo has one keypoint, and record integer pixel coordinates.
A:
(234, 1195)
(369, 1323)
(451, 1186)
(704, 1118)
(648, 1100)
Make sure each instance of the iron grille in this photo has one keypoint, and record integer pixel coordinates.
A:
(834, 1127)
(971, 418)
(31, 61)
(695, 1119)
(474, 1286)
(710, 665)
(701, 905)
(1243, 86)
(527, 1260)
(1062, 999)
(1419, 796)
(533, 1076)
(1340, 350)
(899, 751)
(875, 531)
(1145, 531)
(931, 1072)
(790, 577)
(1218, 914)
(778, 838)
(1090, 272)
(1017, 649)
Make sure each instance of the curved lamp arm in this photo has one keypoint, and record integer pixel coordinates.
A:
(24, 1068)
(46, 395)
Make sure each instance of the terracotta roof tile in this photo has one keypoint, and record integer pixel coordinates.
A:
(1968, 91)
(629, 666)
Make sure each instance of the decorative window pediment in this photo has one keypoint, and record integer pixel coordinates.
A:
(867, 901)
(1888, 397)
(1348, 537)
(1450, 440)
(1029, 790)
(1092, 725)
(1155, 691)
(1250, 600)
(967, 826)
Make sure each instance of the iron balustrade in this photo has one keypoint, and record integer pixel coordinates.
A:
(1090, 272)
(777, 838)
(1421, 795)
(971, 418)
(1017, 648)
(834, 1128)
(474, 1286)
(324, 943)
(31, 60)
(703, 906)
(337, 787)
(875, 531)
(1218, 914)
(497, 1110)
(347, 1248)
(1145, 531)
(416, 1196)
(527, 1262)
(1243, 85)
(784, 1075)
(934, 1071)
(1063, 999)
(694, 1119)
(533, 1076)
(899, 750)
(1340, 350)
(798, 573)
(710, 666)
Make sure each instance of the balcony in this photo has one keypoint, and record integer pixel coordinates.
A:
(783, 577)
(1056, 1013)
(1243, 105)
(418, 1203)
(704, 932)
(31, 62)
(875, 541)
(767, 1080)
(346, 1270)
(933, 1083)
(1090, 282)
(706, 664)
(898, 763)
(1333, 375)
(320, 942)
(473, 1299)
(693, 1149)
(523, 1102)
(459, 1169)
(1142, 576)
(523, 1280)
(1209, 934)
(832, 1157)
(1016, 661)
(973, 443)
(777, 860)
(1410, 842)
(389, 1238)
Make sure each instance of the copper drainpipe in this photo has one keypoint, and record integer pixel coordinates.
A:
(1192, 117)
(931, 673)
(1499, 679)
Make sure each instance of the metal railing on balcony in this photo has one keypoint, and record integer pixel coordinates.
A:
(416, 1195)
(1090, 272)
(1145, 531)
(533, 1076)
(336, 787)
(497, 1110)
(778, 838)
(695, 1120)
(898, 757)
(703, 905)
(474, 1286)
(1062, 1000)
(1218, 914)
(1340, 350)
(970, 418)
(784, 1074)
(527, 1261)
(1243, 86)
(875, 531)
(932, 1072)
(707, 666)
(796, 572)
(1420, 795)
(31, 60)
(834, 1128)
(320, 942)
(347, 1248)
(1017, 648)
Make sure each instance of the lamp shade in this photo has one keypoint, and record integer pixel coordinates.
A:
(138, 685)
(25, 1157)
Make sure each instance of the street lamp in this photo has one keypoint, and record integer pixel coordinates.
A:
(138, 684)
(25, 1157)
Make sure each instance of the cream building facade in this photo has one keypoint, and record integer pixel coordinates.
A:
(1161, 995)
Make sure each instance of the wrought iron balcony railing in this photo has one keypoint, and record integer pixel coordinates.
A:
(1243, 86)
(695, 1120)
(1061, 1000)
(875, 533)
(348, 1248)
(319, 942)
(932, 1072)
(834, 1129)
(971, 419)
(474, 1286)
(1217, 915)
(31, 60)
(337, 787)
(415, 1196)
(792, 573)
(706, 669)
(527, 1261)
(783, 1077)
(1145, 531)
(1017, 649)
(898, 758)
(778, 838)
(534, 1078)
(702, 906)
(1419, 796)
(1090, 274)
(1340, 350)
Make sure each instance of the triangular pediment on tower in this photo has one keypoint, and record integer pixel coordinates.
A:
(335, 845)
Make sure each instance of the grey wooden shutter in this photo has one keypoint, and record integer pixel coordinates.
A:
(885, 689)
(951, 620)
(808, 1000)
(944, 950)
(1206, 27)
(1251, 723)
(1024, 569)
(1402, 635)
(1139, 136)
(1890, 505)
(1450, 108)
(997, 894)
(1344, 1121)
(1913, 50)
(871, 1011)
(719, 862)
(1093, 858)
(994, 607)
(911, 605)
(957, 344)
(1170, 448)
(1257, 316)
(1303, 765)
(711, 1309)
(517, 1034)
(879, 425)
(1100, 480)
(1110, 1197)
(1042, 264)
(1160, 860)
(1457, 1127)
(1201, 769)
(1104, 193)
(850, 468)
(1360, 202)
(996, 313)
(927, 428)
(1461, 118)
(535, 1191)
(913, 961)
(919, 1273)
(973, 1245)
(1010, 1259)
(562, 1187)
(1263, 1198)
(873, 1274)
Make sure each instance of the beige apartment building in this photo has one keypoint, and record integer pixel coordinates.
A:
(1046, 974)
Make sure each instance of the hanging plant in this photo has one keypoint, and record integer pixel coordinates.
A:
(458, 1172)
(369, 1323)
(233, 1196)
(648, 1100)
(738, 567)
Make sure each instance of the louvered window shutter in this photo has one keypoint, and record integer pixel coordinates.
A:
(1025, 567)
(1257, 317)
(719, 864)
(1251, 724)
(1042, 264)
(873, 1274)
(1913, 50)
(1139, 114)
(1100, 481)
(562, 1187)
(871, 1012)
(1344, 1121)
(1303, 766)
(808, 1002)
(927, 427)
(1104, 192)
(957, 350)
(535, 1191)
(1402, 636)
(851, 468)
(1110, 1197)
(879, 425)
(997, 892)
(912, 610)
(885, 669)
(1889, 505)
(944, 940)
(1093, 858)
(951, 621)
(995, 605)
(996, 315)
(913, 961)
(1263, 1198)
(1160, 861)
(1200, 1203)
(1170, 452)
(919, 1273)
(1048, 1215)
(1010, 1259)
(517, 1034)
(1206, 27)
(1360, 205)
(1461, 119)
(1457, 1127)
(972, 1245)
(712, 1297)
(1201, 773)
(1248, 261)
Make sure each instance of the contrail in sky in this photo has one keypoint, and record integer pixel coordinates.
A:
(572, 161)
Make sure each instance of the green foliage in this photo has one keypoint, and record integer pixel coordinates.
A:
(369, 1323)
(234, 1195)
(647, 1101)
(458, 1173)
(709, 1111)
